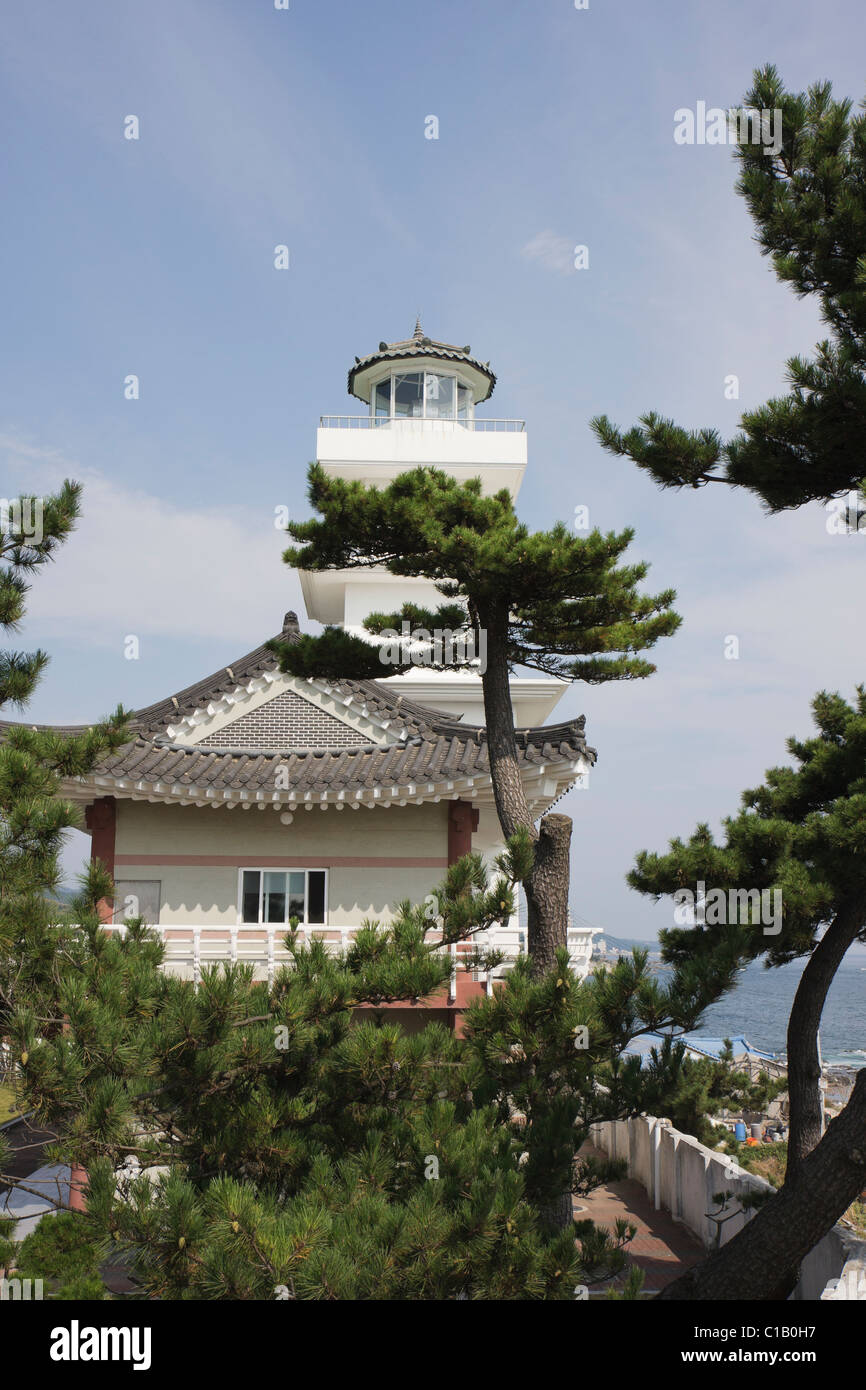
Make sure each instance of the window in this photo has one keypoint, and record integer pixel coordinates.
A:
(421, 395)
(439, 396)
(272, 896)
(409, 393)
(382, 398)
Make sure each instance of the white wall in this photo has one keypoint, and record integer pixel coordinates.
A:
(682, 1176)
(377, 456)
(207, 895)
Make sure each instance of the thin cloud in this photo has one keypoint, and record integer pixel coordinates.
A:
(140, 564)
(552, 252)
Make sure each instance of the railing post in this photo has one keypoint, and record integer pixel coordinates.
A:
(656, 1132)
(452, 983)
(270, 960)
(196, 956)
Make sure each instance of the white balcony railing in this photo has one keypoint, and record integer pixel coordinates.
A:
(378, 422)
(189, 947)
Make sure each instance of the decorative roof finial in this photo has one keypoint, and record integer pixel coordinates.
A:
(419, 332)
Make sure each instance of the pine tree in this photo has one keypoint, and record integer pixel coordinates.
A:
(548, 600)
(34, 762)
(808, 203)
(691, 1090)
(34, 817)
(263, 1143)
(801, 835)
(262, 1138)
(761, 1260)
(250, 1141)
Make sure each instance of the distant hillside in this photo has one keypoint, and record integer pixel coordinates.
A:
(63, 895)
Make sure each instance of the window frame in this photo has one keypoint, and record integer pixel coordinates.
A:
(263, 869)
(459, 382)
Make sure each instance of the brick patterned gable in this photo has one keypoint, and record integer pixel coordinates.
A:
(286, 721)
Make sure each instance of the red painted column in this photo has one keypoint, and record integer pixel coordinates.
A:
(77, 1183)
(462, 820)
(101, 820)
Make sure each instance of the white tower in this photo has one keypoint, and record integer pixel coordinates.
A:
(422, 398)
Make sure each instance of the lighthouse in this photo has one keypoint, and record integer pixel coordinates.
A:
(423, 407)
(253, 798)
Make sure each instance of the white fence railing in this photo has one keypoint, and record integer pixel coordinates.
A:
(190, 947)
(683, 1177)
(433, 423)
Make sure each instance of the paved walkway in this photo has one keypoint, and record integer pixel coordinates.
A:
(662, 1248)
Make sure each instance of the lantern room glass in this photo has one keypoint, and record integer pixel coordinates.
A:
(439, 396)
(421, 395)
(409, 394)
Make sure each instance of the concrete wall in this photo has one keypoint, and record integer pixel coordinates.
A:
(150, 837)
(377, 456)
(682, 1176)
(836, 1268)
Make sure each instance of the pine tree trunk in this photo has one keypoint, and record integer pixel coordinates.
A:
(511, 804)
(558, 1214)
(791, 1224)
(548, 885)
(804, 1071)
(547, 891)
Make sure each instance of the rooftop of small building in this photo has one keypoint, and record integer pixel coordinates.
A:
(422, 744)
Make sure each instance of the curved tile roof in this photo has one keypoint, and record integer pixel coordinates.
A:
(429, 747)
(419, 345)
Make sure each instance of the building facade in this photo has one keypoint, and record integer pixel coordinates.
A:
(252, 796)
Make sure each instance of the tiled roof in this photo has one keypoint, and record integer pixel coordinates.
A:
(376, 700)
(438, 756)
(419, 345)
(425, 748)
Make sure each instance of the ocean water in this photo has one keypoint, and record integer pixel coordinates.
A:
(761, 1002)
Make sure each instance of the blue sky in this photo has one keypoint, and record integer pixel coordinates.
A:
(306, 128)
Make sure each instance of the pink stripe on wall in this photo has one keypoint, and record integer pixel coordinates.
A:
(280, 861)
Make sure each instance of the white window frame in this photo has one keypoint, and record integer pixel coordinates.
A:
(280, 869)
(425, 372)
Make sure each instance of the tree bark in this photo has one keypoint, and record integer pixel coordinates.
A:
(804, 1071)
(547, 891)
(783, 1231)
(547, 887)
(558, 1214)
(511, 804)
(548, 884)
